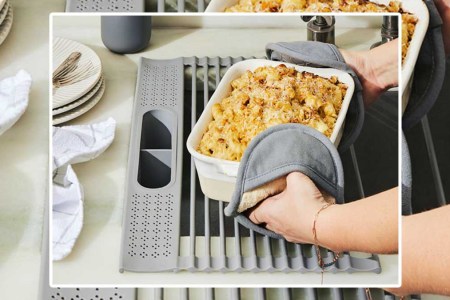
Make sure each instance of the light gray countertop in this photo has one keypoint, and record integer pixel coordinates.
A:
(24, 154)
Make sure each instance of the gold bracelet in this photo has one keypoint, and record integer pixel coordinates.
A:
(316, 243)
(315, 221)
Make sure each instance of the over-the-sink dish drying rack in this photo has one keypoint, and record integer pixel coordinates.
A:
(105, 6)
(169, 224)
(220, 294)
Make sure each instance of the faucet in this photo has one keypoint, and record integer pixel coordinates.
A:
(389, 30)
(320, 29)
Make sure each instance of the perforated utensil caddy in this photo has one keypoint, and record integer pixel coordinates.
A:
(48, 293)
(136, 5)
(168, 224)
(154, 169)
(105, 6)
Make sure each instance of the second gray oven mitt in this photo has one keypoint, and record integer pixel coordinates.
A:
(317, 54)
(271, 156)
(406, 179)
(429, 72)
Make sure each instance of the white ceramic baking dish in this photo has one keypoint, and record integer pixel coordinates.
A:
(221, 5)
(417, 7)
(218, 176)
(420, 10)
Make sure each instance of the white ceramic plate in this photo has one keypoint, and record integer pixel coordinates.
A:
(80, 101)
(4, 11)
(82, 109)
(3, 3)
(5, 27)
(62, 48)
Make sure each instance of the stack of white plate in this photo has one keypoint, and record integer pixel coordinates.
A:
(6, 19)
(71, 101)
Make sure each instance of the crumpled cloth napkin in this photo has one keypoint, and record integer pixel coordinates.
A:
(71, 145)
(14, 94)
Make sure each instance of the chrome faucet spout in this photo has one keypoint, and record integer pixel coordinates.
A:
(389, 30)
(320, 28)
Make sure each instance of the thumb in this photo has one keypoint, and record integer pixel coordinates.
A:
(299, 184)
(298, 180)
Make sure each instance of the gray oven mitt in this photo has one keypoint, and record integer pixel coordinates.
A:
(429, 72)
(317, 54)
(406, 179)
(271, 156)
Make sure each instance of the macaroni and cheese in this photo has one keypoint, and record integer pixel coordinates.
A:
(409, 21)
(269, 96)
(312, 6)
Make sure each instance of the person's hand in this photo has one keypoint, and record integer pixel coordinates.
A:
(291, 213)
(377, 69)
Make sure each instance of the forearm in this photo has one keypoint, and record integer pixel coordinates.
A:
(425, 251)
(367, 225)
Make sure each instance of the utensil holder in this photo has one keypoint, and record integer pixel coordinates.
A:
(150, 240)
(126, 34)
(105, 6)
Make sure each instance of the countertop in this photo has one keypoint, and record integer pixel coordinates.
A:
(95, 258)
(24, 154)
(23, 150)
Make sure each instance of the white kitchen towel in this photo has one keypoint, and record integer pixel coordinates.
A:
(71, 145)
(14, 94)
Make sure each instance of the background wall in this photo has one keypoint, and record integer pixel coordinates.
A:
(234, 21)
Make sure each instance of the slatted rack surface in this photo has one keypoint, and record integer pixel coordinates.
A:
(429, 144)
(221, 294)
(48, 293)
(435, 180)
(266, 294)
(105, 6)
(169, 6)
(91, 294)
(208, 240)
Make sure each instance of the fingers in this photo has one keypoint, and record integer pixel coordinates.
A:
(260, 214)
(257, 215)
(254, 216)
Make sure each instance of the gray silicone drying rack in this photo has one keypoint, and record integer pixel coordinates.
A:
(161, 229)
(90, 294)
(48, 293)
(105, 6)
(136, 5)
(268, 294)
(221, 293)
